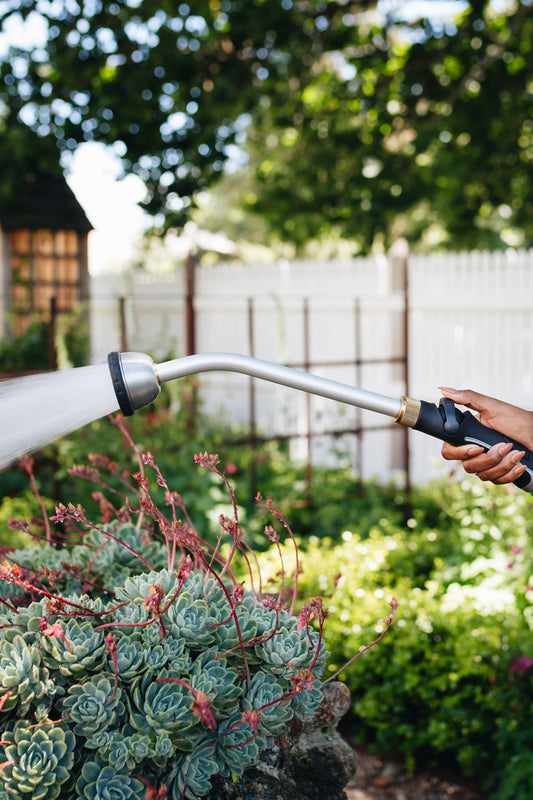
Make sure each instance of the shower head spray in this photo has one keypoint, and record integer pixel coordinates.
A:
(137, 381)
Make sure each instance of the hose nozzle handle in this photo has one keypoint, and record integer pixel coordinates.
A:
(448, 423)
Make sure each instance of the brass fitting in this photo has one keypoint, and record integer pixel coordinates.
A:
(409, 412)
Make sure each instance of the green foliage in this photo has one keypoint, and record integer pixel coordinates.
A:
(414, 125)
(133, 659)
(335, 501)
(31, 351)
(452, 682)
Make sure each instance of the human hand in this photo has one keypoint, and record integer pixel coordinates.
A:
(499, 464)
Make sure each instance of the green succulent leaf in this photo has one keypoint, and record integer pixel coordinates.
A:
(191, 777)
(237, 746)
(37, 761)
(82, 649)
(101, 782)
(94, 705)
(22, 677)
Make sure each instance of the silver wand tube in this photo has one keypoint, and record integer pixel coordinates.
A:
(275, 373)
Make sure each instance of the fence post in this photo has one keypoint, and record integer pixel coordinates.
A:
(308, 402)
(252, 404)
(52, 349)
(190, 287)
(399, 282)
(123, 325)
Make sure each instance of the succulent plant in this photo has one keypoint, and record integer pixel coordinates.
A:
(270, 695)
(81, 649)
(101, 781)
(37, 760)
(191, 777)
(22, 677)
(115, 677)
(236, 747)
(93, 705)
(212, 674)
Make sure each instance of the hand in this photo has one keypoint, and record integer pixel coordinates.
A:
(499, 464)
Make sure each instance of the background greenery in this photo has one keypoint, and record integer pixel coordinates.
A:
(343, 118)
(451, 684)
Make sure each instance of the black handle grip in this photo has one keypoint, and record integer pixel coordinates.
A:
(448, 423)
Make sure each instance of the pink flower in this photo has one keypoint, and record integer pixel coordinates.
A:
(521, 664)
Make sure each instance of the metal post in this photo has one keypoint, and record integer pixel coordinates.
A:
(191, 396)
(190, 322)
(52, 350)
(252, 403)
(399, 255)
(122, 323)
(308, 408)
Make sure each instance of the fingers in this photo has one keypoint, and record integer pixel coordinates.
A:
(500, 464)
(468, 398)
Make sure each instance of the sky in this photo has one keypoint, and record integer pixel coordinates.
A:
(110, 204)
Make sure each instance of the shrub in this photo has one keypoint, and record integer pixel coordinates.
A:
(453, 684)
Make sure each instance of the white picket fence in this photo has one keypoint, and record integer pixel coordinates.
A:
(469, 325)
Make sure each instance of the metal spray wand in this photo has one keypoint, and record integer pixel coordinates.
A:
(137, 381)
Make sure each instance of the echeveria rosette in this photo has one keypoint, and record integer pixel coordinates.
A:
(99, 781)
(267, 620)
(306, 702)
(81, 651)
(191, 777)
(265, 696)
(228, 637)
(138, 541)
(136, 588)
(190, 618)
(37, 760)
(212, 674)
(93, 705)
(168, 652)
(128, 657)
(237, 746)
(291, 650)
(123, 751)
(23, 679)
(163, 705)
(286, 652)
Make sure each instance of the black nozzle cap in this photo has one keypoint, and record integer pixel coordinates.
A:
(119, 384)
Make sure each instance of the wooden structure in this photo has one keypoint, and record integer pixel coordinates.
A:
(43, 252)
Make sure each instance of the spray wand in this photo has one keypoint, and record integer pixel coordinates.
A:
(137, 381)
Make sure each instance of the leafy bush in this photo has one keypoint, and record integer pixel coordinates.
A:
(453, 683)
(30, 350)
(338, 500)
(132, 660)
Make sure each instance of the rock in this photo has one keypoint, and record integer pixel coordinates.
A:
(309, 762)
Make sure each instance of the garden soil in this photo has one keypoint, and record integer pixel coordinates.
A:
(381, 778)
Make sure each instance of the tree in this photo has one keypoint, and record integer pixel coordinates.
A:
(167, 84)
(369, 127)
(413, 129)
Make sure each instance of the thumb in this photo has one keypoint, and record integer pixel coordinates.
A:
(465, 397)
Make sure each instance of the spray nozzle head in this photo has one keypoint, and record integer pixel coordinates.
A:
(135, 380)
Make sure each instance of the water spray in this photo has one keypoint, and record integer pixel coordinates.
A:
(137, 382)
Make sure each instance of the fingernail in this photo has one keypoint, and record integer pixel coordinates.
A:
(474, 451)
(448, 389)
(505, 448)
(519, 469)
(516, 457)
